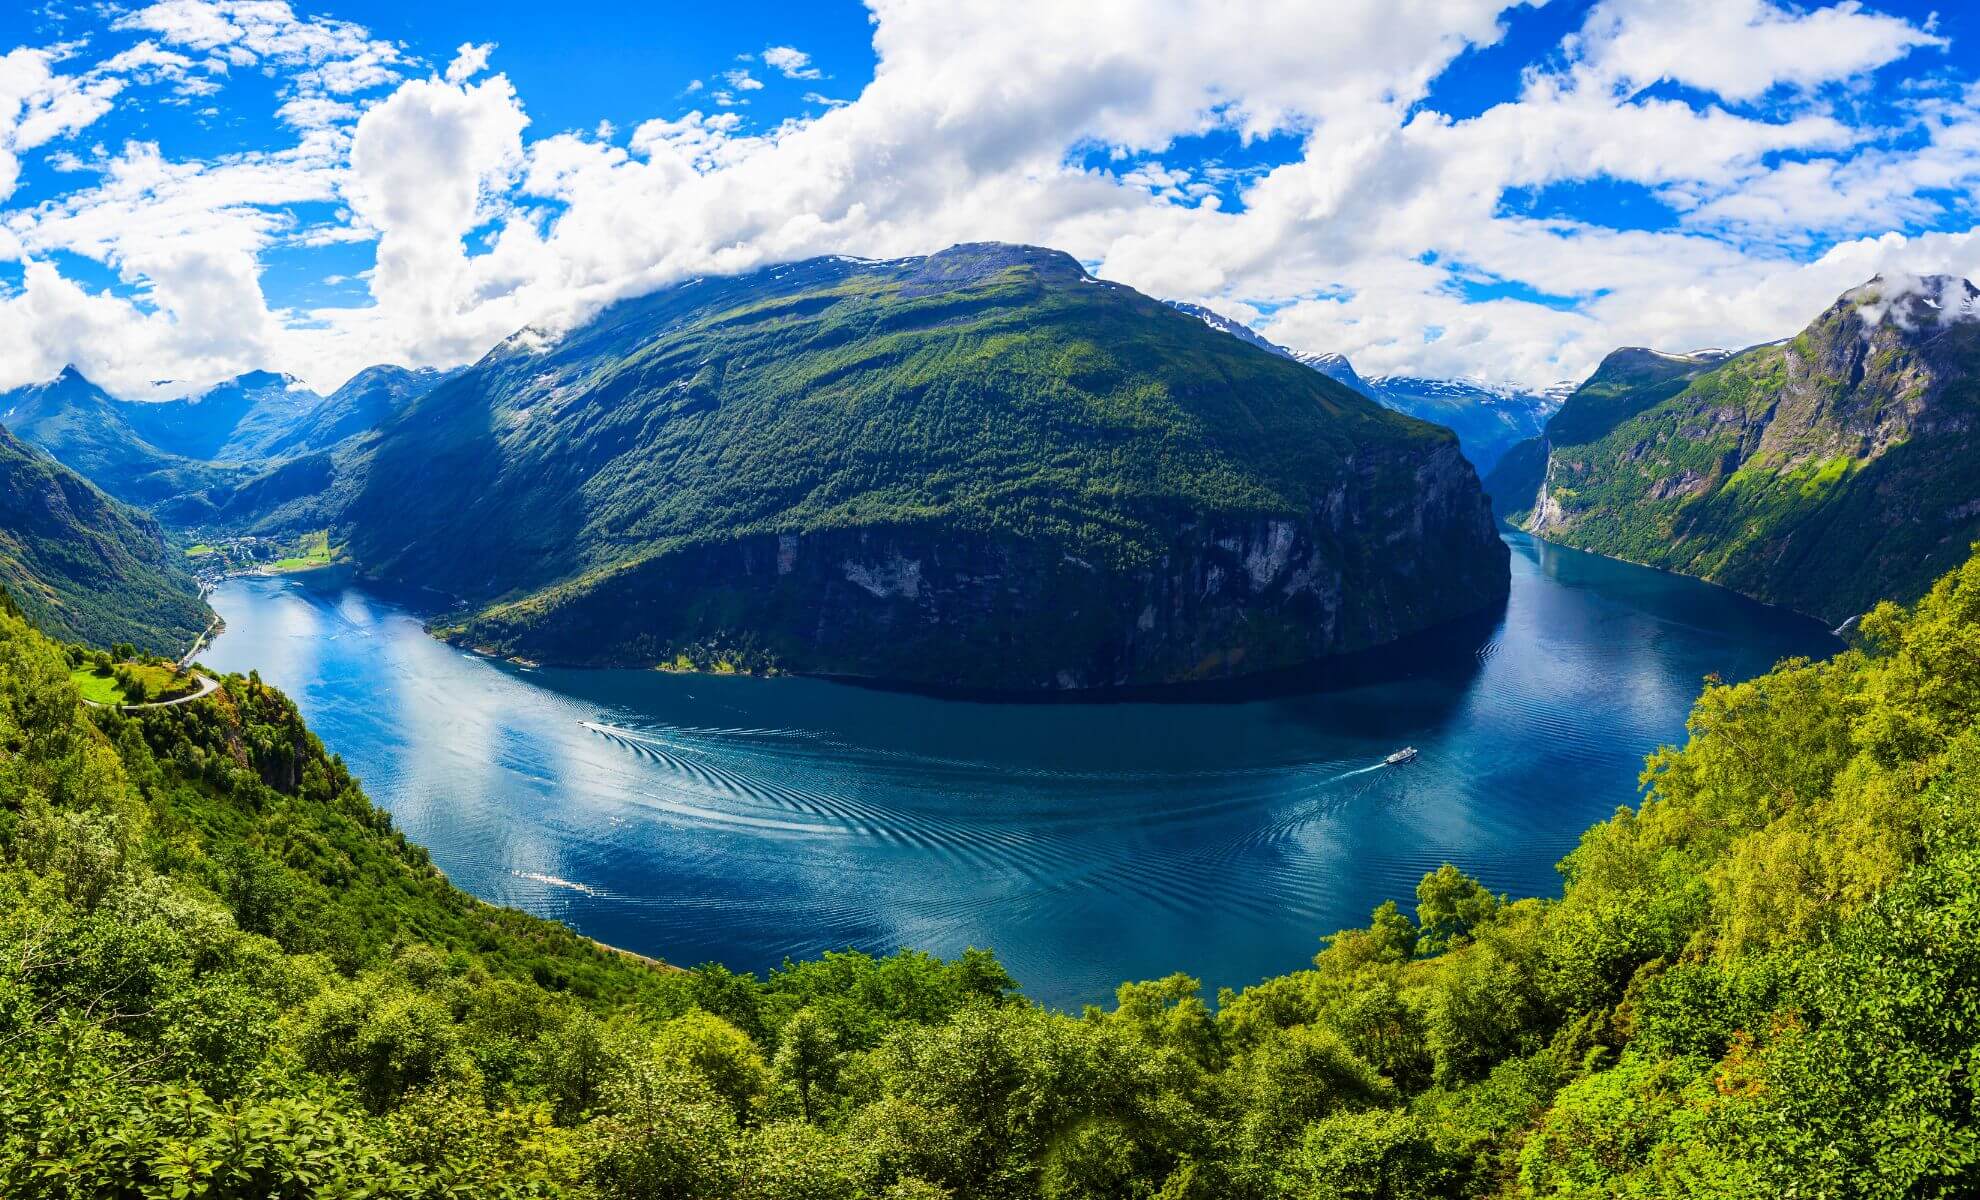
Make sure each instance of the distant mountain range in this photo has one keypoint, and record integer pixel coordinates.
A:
(171, 455)
(85, 566)
(981, 468)
(987, 468)
(1489, 419)
(1824, 472)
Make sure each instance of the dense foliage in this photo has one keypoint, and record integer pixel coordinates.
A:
(222, 973)
(1821, 473)
(84, 566)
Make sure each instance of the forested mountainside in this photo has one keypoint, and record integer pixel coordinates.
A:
(225, 974)
(205, 444)
(1488, 420)
(982, 468)
(85, 566)
(1626, 383)
(365, 401)
(1818, 473)
(86, 430)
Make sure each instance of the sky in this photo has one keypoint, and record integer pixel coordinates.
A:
(1505, 191)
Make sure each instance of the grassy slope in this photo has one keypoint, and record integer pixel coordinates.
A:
(1763, 980)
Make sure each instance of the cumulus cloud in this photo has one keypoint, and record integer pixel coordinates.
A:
(1410, 239)
(793, 62)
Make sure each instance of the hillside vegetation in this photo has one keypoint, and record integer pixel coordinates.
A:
(982, 468)
(223, 973)
(1820, 473)
(85, 566)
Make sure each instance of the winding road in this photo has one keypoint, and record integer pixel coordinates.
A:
(207, 686)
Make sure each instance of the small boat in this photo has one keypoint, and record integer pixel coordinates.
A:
(1406, 754)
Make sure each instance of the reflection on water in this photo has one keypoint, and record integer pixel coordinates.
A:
(745, 820)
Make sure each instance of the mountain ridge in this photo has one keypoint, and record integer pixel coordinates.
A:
(1488, 418)
(1819, 472)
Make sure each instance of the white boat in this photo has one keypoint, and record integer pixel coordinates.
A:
(1406, 754)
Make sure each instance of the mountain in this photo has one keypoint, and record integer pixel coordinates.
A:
(244, 419)
(366, 401)
(85, 567)
(1488, 419)
(84, 429)
(1626, 383)
(1821, 473)
(982, 468)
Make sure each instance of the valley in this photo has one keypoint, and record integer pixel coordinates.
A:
(698, 817)
(990, 600)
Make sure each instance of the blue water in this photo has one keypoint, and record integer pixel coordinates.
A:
(746, 820)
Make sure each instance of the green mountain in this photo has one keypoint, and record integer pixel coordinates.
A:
(983, 468)
(366, 401)
(1628, 382)
(1488, 419)
(84, 566)
(84, 429)
(244, 419)
(1819, 473)
(227, 975)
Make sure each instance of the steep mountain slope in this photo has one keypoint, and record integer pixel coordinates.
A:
(366, 401)
(84, 429)
(243, 419)
(1488, 420)
(84, 566)
(1627, 382)
(1820, 473)
(980, 468)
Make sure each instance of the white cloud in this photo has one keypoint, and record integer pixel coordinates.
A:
(1741, 49)
(1387, 230)
(793, 62)
(470, 60)
(340, 57)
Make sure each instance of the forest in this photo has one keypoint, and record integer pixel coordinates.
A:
(224, 973)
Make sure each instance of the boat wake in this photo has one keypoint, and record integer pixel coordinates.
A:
(553, 881)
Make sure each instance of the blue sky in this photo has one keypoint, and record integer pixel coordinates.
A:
(191, 188)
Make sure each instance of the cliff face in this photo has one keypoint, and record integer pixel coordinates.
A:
(983, 468)
(925, 605)
(1823, 473)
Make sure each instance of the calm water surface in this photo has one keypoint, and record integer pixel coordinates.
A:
(747, 820)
